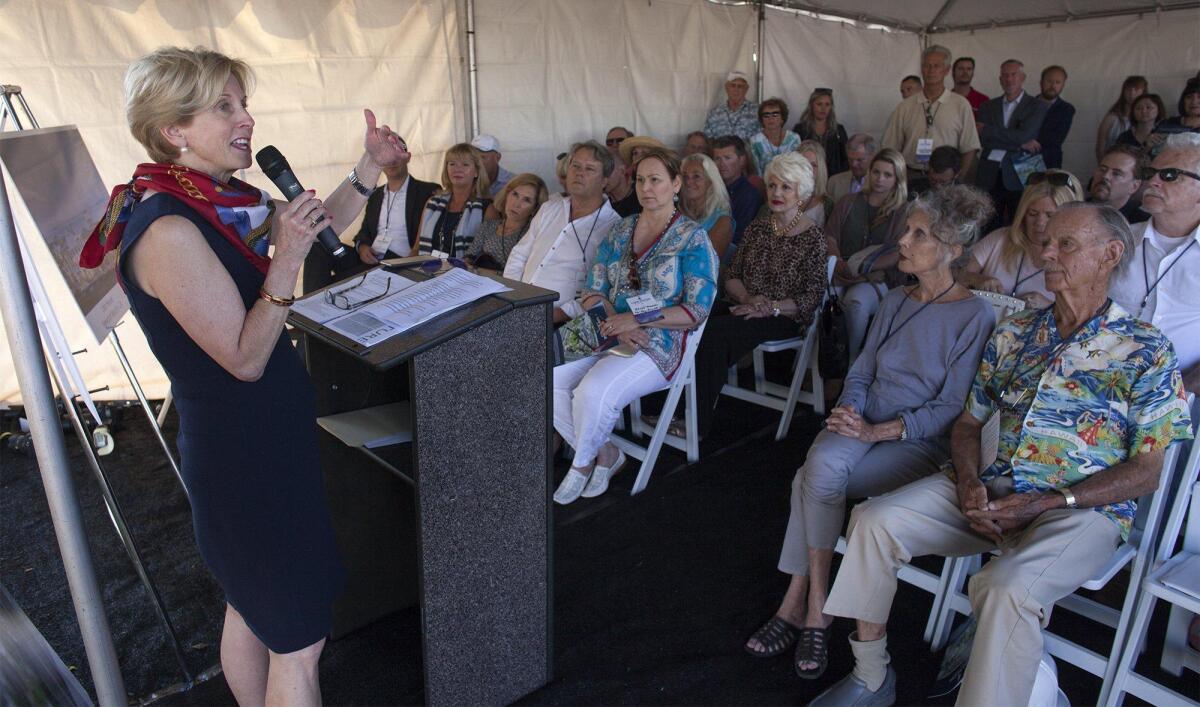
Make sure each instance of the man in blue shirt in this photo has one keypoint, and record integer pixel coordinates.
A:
(729, 152)
(735, 116)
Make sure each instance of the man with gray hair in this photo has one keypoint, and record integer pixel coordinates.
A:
(1161, 286)
(859, 150)
(558, 249)
(1066, 425)
(931, 118)
(735, 115)
(1006, 123)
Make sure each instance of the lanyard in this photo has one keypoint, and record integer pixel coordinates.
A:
(1020, 280)
(1017, 371)
(890, 333)
(584, 244)
(1146, 275)
(930, 115)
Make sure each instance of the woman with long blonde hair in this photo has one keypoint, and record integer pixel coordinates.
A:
(705, 200)
(1009, 260)
(818, 206)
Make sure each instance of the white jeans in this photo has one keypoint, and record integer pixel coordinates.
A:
(860, 301)
(590, 393)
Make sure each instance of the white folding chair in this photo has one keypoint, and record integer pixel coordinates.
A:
(1133, 554)
(1003, 305)
(684, 381)
(1164, 580)
(781, 397)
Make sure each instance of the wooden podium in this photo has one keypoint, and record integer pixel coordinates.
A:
(460, 518)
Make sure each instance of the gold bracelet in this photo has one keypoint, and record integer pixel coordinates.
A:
(277, 301)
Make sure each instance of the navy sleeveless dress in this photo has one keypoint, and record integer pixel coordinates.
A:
(249, 460)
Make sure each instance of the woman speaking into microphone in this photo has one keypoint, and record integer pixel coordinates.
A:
(193, 262)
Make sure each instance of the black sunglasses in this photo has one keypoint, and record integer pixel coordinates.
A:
(1058, 179)
(1167, 174)
(771, 114)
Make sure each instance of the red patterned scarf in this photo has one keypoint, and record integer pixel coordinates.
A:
(240, 212)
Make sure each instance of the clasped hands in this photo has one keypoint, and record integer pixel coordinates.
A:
(847, 422)
(626, 328)
(993, 519)
(755, 307)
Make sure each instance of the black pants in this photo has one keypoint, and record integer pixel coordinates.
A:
(726, 339)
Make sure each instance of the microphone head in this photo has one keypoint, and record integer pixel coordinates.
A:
(271, 161)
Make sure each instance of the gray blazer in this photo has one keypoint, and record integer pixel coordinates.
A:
(1024, 125)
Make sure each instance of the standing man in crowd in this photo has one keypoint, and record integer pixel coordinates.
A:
(1006, 123)
(1164, 292)
(729, 153)
(1059, 116)
(932, 117)
(490, 147)
(964, 74)
(735, 115)
(859, 149)
(1117, 178)
(557, 251)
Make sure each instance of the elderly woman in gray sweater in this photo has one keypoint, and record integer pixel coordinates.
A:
(892, 422)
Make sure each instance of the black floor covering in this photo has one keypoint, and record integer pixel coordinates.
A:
(654, 594)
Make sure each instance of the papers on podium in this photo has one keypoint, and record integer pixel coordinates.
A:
(405, 304)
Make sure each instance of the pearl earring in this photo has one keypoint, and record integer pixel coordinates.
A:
(183, 149)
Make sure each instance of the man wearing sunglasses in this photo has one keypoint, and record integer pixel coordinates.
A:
(615, 137)
(736, 115)
(1161, 283)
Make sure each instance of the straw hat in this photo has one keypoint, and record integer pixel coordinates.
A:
(629, 143)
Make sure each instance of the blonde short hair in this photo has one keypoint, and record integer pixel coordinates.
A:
(171, 86)
(483, 184)
(791, 167)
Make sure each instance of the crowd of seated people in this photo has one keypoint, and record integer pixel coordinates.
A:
(735, 229)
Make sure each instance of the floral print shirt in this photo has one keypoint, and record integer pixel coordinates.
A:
(679, 268)
(1072, 408)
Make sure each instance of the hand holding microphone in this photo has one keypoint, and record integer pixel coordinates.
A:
(277, 169)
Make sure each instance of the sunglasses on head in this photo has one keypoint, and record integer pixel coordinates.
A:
(1057, 179)
(1167, 174)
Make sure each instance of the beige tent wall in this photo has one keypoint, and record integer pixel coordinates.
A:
(317, 64)
(1098, 54)
(862, 65)
(553, 72)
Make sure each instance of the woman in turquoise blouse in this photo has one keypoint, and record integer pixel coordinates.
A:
(661, 265)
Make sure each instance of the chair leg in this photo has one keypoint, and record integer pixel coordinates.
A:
(1175, 646)
(656, 441)
(691, 419)
(760, 372)
(1121, 637)
(636, 427)
(1113, 691)
(789, 406)
(818, 383)
(956, 584)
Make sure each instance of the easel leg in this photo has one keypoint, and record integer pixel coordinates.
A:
(141, 396)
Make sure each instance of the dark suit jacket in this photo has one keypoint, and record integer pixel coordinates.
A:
(1024, 125)
(320, 267)
(1054, 132)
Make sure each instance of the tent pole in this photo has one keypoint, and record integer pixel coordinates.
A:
(762, 35)
(472, 70)
(29, 363)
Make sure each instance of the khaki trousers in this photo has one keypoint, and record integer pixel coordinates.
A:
(1011, 597)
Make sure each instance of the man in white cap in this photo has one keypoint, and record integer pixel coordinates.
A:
(490, 147)
(735, 116)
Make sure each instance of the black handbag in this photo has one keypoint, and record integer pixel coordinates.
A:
(833, 352)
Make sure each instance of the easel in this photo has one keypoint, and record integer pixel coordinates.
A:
(67, 378)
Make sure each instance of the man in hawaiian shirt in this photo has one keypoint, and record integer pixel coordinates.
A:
(1087, 399)
(735, 116)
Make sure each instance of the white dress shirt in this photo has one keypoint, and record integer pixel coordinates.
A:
(1172, 306)
(391, 232)
(557, 253)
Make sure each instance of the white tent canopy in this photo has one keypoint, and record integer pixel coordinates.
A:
(549, 72)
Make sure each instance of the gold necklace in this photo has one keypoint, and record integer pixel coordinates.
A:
(795, 220)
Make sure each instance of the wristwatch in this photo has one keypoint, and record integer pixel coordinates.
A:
(1066, 492)
(903, 430)
(775, 311)
(357, 183)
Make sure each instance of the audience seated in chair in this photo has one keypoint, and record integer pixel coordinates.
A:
(519, 200)
(729, 152)
(818, 205)
(658, 253)
(1009, 259)
(393, 214)
(704, 200)
(1088, 399)
(452, 215)
(860, 150)
(773, 287)
(696, 143)
(862, 232)
(892, 422)
(489, 149)
(945, 167)
(1117, 180)
(774, 139)
(1188, 119)
(619, 187)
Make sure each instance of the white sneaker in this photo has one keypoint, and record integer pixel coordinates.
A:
(571, 487)
(598, 484)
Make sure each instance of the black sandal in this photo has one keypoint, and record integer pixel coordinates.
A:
(812, 647)
(775, 636)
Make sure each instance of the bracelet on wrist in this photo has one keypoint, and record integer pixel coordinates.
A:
(357, 183)
(277, 301)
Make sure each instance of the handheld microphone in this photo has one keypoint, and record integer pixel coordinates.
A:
(277, 169)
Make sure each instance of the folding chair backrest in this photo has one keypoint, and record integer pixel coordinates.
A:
(1002, 305)
(829, 266)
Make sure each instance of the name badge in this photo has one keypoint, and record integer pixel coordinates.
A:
(645, 308)
(924, 149)
(996, 156)
(989, 441)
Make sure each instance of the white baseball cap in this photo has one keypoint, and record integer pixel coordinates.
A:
(737, 76)
(486, 143)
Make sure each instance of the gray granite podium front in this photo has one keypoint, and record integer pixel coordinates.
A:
(460, 518)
